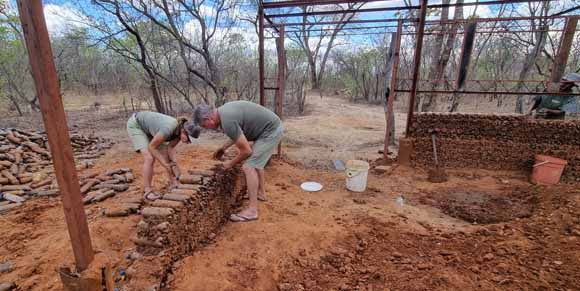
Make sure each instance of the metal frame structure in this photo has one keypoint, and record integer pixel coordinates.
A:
(278, 21)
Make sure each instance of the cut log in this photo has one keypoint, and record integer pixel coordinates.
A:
(41, 183)
(116, 187)
(11, 178)
(157, 212)
(129, 177)
(89, 184)
(53, 192)
(167, 204)
(15, 187)
(190, 179)
(104, 195)
(189, 187)
(177, 197)
(205, 173)
(11, 137)
(145, 242)
(36, 148)
(120, 178)
(13, 198)
(25, 180)
(90, 196)
(114, 171)
(116, 212)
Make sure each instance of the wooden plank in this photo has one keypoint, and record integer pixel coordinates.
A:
(281, 78)
(390, 114)
(466, 50)
(416, 65)
(53, 115)
(261, 55)
(561, 59)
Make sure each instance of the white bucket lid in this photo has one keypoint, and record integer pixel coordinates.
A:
(311, 186)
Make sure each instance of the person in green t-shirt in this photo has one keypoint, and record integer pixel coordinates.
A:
(244, 122)
(156, 136)
(555, 107)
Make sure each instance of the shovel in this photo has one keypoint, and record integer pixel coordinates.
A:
(436, 175)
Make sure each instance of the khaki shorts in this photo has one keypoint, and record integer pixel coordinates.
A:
(263, 148)
(138, 137)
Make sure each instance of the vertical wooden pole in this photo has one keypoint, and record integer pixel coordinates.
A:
(466, 50)
(281, 77)
(561, 59)
(416, 64)
(393, 87)
(261, 54)
(51, 106)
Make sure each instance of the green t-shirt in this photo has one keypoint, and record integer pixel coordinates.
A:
(253, 120)
(153, 123)
(554, 102)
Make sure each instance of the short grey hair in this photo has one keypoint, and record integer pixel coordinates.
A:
(201, 113)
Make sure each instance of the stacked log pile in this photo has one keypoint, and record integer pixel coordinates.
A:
(495, 142)
(95, 187)
(189, 216)
(25, 152)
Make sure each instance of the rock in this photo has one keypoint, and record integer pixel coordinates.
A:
(313, 203)
(164, 226)
(6, 267)
(382, 169)
(397, 255)
(211, 236)
(285, 287)
(359, 201)
(302, 252)
(558, 263)
(424, 266)
(489, 257)
(133, 256)
(474, 269)
(152, 288)
(446, 253)
(131, 272)
(7, 286)
(142, 225)
(167, 204)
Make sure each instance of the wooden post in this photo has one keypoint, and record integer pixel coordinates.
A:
(261, 55)
(393, 87)
(561, 59)
(47, 88)
(466, 50)
(281, 78)
(416, 64)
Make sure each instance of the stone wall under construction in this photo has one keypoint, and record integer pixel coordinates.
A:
(495, 142)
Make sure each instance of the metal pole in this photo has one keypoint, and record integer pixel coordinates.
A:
(466, 50)
(561, 59)
(416, 64)
(261, 55)
(281, 78)
(392, 86)
(47, 88)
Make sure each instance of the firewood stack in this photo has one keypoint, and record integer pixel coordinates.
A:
(23, 153)
(495, 142)
(95, 187)
(26, 167)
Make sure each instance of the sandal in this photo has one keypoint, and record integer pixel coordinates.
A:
(151, 196)
(236, 217)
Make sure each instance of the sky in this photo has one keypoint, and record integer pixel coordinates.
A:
(61, 15)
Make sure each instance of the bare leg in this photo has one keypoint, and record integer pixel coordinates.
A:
(148, 162)
(170, 177)
(261, 185)
(252, 182)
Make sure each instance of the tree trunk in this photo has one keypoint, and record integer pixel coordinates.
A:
(529, 63)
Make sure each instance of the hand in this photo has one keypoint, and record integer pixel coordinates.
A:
(228, 165)
(219, 154)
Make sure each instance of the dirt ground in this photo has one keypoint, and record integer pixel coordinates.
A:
(481, 230)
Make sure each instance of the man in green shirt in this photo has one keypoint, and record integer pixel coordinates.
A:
(156, 136)
(555, 107)
(244, 122)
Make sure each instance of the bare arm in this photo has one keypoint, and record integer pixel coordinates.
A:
(244, 148)
(157, 140)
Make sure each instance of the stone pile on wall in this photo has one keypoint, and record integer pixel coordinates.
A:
(495, 142)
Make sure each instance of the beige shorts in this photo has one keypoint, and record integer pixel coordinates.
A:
(263, 148)
(138, 137)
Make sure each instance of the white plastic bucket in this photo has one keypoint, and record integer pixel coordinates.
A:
(356, 175)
